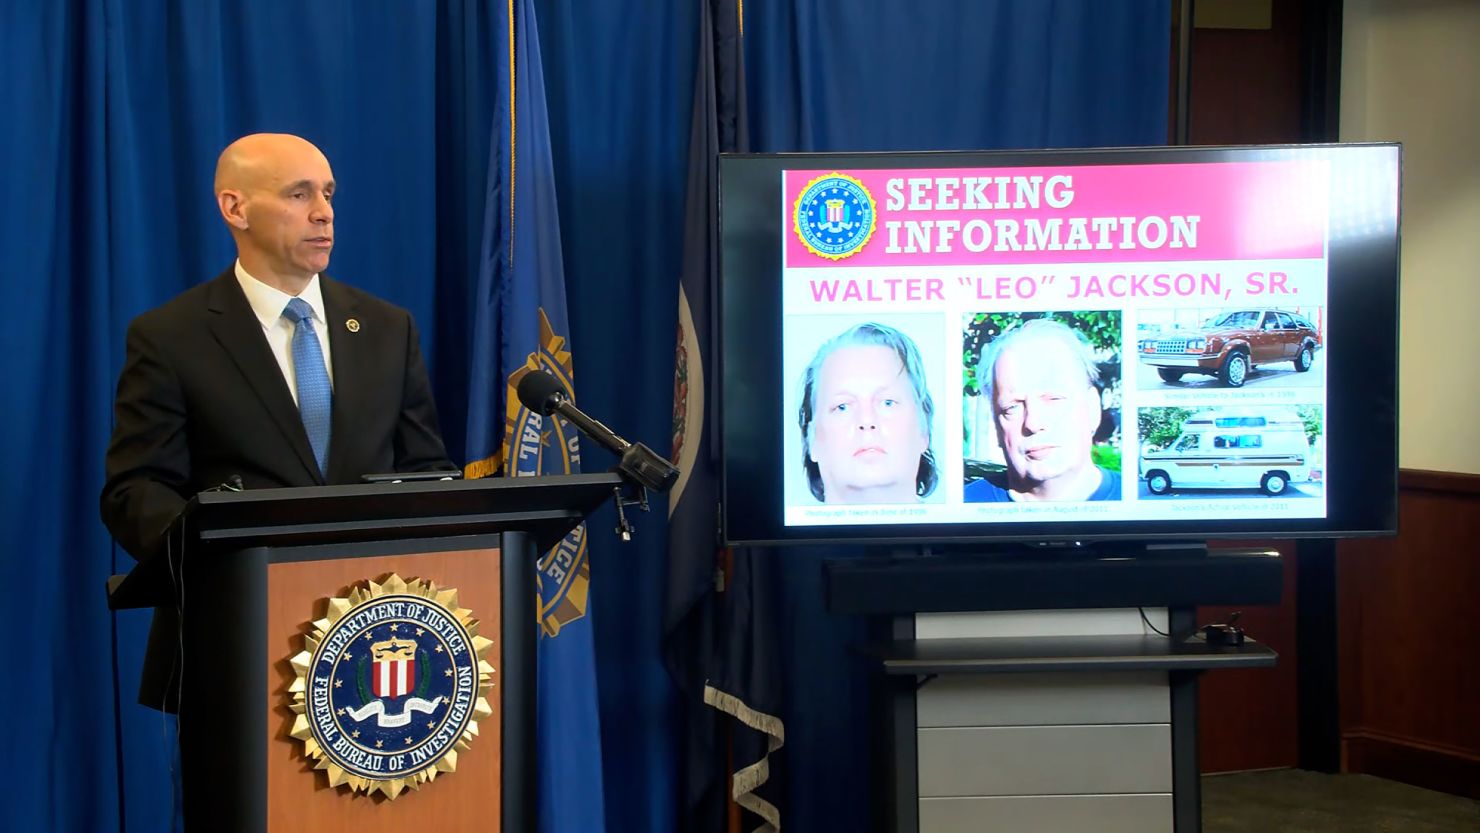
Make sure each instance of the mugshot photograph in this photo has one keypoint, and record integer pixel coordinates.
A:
(866, 419)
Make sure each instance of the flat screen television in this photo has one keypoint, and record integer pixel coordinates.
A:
(1059, 346)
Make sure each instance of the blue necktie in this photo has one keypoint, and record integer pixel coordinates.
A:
(315, 395)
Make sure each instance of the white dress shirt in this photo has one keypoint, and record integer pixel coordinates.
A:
(268, 304)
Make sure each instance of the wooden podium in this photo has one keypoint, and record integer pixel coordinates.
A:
(246, 572)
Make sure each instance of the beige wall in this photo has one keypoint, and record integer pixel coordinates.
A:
(1411, 73)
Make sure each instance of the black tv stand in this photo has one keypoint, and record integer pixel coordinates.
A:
(1020, 683)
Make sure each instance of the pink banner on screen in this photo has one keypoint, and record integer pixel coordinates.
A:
(1113, 213)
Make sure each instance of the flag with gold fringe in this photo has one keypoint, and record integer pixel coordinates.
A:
(718, 637)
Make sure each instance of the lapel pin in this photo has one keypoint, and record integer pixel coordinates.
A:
(353, 325)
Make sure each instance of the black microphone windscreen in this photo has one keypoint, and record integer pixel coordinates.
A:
(538, 391)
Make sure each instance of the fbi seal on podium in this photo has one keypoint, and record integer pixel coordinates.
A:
(390, 686)
(834, 216)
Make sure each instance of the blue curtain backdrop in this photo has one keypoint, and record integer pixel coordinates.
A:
(618, 83)
(114, 113)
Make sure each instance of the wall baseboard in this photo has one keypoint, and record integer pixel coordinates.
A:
(1423, 480)
(1410, 761)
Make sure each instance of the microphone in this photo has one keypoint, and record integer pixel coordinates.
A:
(542, 393)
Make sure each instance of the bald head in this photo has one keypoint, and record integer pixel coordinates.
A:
(247, 161)
(275, 193)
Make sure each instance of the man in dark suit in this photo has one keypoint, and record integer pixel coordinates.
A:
(270, 375)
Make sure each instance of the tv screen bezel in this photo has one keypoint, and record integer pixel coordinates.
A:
(1363, 293)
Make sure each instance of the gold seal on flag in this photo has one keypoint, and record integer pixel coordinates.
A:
(535, 445)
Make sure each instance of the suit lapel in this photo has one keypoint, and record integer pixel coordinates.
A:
(237, 329)
(352, 373)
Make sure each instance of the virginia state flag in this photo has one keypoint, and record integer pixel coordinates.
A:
(720, 647)
(520, 325)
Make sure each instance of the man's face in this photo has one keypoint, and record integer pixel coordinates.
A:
(290, 219)
(867, 439)
(1046, 412)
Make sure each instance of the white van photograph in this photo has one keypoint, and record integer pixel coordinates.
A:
(1274, 450)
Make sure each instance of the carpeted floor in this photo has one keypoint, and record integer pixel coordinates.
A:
(1311, 802)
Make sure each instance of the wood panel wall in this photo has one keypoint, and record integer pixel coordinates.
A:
(1247, 718)
(1408, 653)
(1246, 83)
(1410, 639)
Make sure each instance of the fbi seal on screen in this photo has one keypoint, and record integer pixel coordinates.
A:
(390, 686)
(834, 217)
